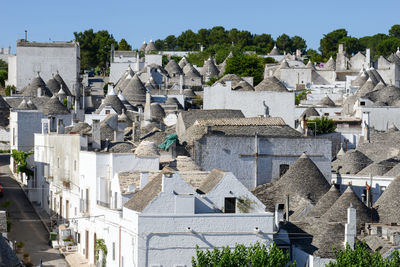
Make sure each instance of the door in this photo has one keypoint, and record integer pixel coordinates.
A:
(87, 244)
(66, 209)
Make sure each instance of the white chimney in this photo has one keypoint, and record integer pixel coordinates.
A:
(60, 126)
(96, 138)
(366, 126)
(39, 91)
(181, 84)
(147, 107)
(367, 58)
(350, 229)
(144, 179)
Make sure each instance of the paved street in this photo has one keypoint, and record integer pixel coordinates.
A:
(26, 226)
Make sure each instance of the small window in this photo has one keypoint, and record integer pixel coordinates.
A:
(74, 165)
(362, 103)
(326, 114)
(230, 205)
(283, 169)
(107, 111)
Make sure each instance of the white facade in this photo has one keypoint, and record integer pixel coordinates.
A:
(46, 58)
(280, 104)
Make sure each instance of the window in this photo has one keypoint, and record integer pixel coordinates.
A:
(74, 165)
(230, 205)
(283, 169)
(362, 103)
(107, 111)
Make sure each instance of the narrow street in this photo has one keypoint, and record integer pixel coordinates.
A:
(25, 224)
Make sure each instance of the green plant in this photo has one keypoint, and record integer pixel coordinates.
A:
(198, 100)
(301, 96)
(20, 244)
(361, 256)
(4, 151)
(20, 158)
(245, 204)
(101, 245)
(322, 125)
(257, 255)
(9, 89)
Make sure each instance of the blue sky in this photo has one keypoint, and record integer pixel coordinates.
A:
(138, 20)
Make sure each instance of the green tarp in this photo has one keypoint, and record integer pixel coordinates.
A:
(169, 140)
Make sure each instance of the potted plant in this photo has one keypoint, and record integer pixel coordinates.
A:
(26, 258)
(20, 247)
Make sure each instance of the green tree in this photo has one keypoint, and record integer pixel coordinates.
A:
(371, 42)
(257, 255)
(352, 45)
(314, 56)
(124, 46)
(95, 48)
(329, 43)
(298, 43)
(246, 65)
(3, 77)
(361, 256)
(187, 41)
(20, 158)
(323, 125)
(170, 42)
(284, 43)
(388, 46)
(395, 31)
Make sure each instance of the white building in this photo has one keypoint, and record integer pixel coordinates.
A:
(277, 103)
(46, 58)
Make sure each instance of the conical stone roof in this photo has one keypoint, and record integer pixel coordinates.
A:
(389, 95)
(143, 46)
(303, 180)
(310, 65)
(54, 107)
(157, 112)
(173, 68)
(274, 51)
(53, 85)
(32, 88)
(112, 100)
(150, 47)
(327, 102)
(338, 211)
(352, 162)
(387, 205)
(330, 64)
(366, 88)
(182, 63)
(394, 58)
(209, 69)
(64, 86)
(379, 86)
(190, 71)
(361, 79)
(284, 64)
(376, 169)
(309, 112)
(23, 105)
(325, 202)
(271, 84)
(135, 92)
(147, 149)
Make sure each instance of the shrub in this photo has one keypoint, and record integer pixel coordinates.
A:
(323, 125)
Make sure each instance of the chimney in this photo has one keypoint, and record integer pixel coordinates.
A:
(340, 50)
(147, 107)
(181, 84)
(96, 139)
(39, 91)
(279, 211)
(367, 58)
(136, 131)
(144, 179)
(26, 35)
(366, 126)
(60, 126)
(350, 229)
(298, 53)
(137, 61)
(118, 136)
